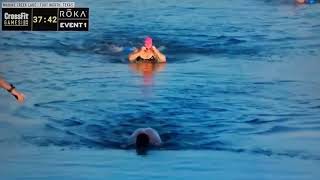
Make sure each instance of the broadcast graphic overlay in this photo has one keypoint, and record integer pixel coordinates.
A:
(44, 16)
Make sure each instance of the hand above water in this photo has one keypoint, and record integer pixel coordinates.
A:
(18, 95)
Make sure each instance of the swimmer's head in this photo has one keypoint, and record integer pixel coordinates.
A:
(148, 42)
(142, 143)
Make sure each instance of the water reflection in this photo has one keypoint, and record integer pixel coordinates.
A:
(147, 70)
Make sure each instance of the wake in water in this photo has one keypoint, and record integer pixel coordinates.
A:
(112, 47)
(171, 141)
(112, 132)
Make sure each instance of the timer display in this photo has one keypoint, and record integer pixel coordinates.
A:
(45, 19)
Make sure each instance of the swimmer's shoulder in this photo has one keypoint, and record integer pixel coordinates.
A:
(152, 132)
(149, 129)
(154, 136)
(139, 130)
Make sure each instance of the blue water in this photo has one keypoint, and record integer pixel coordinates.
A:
(242, 77)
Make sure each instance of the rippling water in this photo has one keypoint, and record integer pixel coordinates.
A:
(242, 76)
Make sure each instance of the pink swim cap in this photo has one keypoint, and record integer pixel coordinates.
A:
(148, 42)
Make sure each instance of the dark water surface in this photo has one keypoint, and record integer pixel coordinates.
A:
(242, 77)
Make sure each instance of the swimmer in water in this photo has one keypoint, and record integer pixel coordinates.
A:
(147, 53)
(306, 1)
(143, 138)
(12, 90)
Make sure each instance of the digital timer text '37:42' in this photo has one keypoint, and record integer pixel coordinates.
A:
(41, 19)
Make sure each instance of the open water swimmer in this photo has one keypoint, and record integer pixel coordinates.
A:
(147, 53)
(144, 138)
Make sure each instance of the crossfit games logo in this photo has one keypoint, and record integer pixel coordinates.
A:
(20, 19)
(16, 19)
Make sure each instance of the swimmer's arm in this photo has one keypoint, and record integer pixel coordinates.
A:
(131, 140)
(12, 90)
(160, 57)
(4, 84)
(134, 55)
(133, 137)
(154, 136)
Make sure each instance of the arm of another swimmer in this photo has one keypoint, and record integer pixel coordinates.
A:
(4, 84)
(134, 55)
(18, 95)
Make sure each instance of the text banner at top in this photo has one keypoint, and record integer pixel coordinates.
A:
(38, 4)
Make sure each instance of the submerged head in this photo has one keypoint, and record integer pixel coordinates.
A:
(148, 42)
(142, 143)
